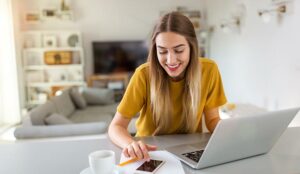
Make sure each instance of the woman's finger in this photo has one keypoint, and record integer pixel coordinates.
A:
(125, 152)
(151, 147)
(131, 151)
(143, 147)
(137, 150)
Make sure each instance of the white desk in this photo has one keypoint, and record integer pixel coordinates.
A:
(70, 157)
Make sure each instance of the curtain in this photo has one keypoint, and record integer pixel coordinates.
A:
(10, 109)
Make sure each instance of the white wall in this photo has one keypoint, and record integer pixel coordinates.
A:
(261, 64)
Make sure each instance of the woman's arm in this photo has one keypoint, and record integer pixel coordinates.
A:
(118, 133)
(212, 117)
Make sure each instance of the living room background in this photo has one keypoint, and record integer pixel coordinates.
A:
(259, 65)
(100, 20)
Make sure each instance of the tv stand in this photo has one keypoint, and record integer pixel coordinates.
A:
(124, 77)
(105, 78)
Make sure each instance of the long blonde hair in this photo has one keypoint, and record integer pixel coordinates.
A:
(159, 80)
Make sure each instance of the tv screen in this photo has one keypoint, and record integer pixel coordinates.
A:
(118, 56)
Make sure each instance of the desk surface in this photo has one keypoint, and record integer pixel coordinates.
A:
(70, 157)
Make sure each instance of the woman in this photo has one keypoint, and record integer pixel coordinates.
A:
(171, 91)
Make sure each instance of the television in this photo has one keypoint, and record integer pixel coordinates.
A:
(118, 56)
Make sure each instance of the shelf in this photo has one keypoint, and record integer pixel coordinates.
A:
(43, 78)
(54, 49)
(49, 84)
(45, 67)
(38, 32)
(36, 102)
(60, 16)
(48, 15)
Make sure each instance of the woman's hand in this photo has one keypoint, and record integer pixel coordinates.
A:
(138, 149)
(120, 136)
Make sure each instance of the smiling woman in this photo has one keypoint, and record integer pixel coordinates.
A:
(171, 91)
(9, 94)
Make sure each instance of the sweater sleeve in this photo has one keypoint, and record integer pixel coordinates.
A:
(216, 95)
(135, 95)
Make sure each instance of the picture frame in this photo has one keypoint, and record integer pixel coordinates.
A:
(49, 41)
(58, 57)
(32, 17)
(49, 13)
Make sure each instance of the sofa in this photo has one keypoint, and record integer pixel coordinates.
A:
(74, 112)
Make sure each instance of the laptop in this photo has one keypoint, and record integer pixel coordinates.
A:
(236, 138)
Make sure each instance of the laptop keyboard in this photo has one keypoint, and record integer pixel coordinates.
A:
(195, 156)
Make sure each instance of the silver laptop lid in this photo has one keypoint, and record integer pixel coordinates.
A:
(242, 137)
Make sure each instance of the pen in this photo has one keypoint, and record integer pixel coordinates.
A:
(128, 162)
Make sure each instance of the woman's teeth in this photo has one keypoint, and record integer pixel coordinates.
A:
(173, 67)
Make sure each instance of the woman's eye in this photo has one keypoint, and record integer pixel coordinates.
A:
(162, 52)
(178, 51)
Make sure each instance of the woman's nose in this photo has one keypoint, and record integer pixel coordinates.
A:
(171, 58)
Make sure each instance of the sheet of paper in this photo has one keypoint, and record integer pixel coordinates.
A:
(171, 165)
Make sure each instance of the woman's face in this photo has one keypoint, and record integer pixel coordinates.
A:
(173, 54)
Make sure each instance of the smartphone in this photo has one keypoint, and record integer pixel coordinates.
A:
(149, 167)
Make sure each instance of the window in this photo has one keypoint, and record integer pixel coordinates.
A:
(9, 93)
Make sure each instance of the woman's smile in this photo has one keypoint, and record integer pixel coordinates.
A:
(173, 67)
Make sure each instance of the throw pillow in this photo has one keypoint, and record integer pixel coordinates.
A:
(78, 99)
(55, 118)
(64, 104)
(99, 96)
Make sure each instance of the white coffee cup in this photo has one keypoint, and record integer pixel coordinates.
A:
(102, 161)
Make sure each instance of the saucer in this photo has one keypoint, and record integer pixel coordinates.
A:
(89, 171)
(86, 171)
